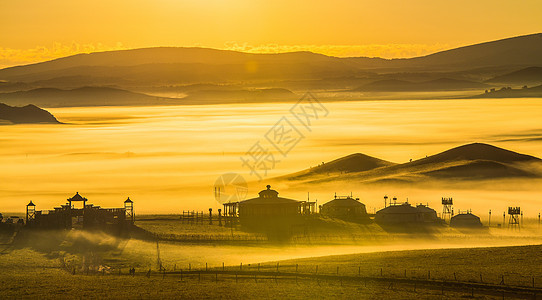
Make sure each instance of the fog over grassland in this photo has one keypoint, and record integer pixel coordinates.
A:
(167, 158)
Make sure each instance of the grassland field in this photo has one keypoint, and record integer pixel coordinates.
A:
(42, 265)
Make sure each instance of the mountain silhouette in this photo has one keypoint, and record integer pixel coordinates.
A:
(477, 151)
(356, 162)
(516, 51)
(441, 84)
(476, 161)
(84, 96)
(522, 77)
(507, 92)
(26, 114)
(172, 65)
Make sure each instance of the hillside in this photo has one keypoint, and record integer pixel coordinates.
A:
(352, 163)
(524, 76)
(172, 66)
(168, 65)
(476, 151)
(26, 114)
(516, 51)
(85, 96)
(507, 92)
(441, 84)
(475, 161)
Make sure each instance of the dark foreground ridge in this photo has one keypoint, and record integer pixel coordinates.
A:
(25, 115)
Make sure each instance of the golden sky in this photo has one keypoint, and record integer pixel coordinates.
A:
(36, 30)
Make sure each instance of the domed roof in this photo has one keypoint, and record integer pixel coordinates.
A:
(424, 208)
(404, 208)
(268, 193)
(269, 196)
(347, 201)
(465, 217)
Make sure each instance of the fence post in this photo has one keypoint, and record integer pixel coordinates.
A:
(316, 272)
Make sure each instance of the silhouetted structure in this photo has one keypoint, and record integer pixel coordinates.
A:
(465, 220)
(514, 213)
(396, 214)
(345, 208)
(268, 208)
(88, 216)
(447, 209)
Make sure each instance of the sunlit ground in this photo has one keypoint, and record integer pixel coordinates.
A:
(168, 158)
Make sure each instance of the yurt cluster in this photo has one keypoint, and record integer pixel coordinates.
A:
(268, 207)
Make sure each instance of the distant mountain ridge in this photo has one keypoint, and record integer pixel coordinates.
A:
(169, 65)
(83, 96)
(26, 114)
(523, 76)
(356, 162)
(110, 96)
(476, 161)
(441, 84)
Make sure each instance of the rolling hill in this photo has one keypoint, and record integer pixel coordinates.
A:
(25, 115)
(469, 162)
(507, 92)
(169, 65)
(356, 162)
(441, 84)
(107, 96)
(524, 76)
(84, 96)
(516, 51)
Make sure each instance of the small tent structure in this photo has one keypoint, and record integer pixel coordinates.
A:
(465, 220)
(345, 208)
(406, 214)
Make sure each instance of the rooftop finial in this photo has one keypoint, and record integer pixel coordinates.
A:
(268, 187)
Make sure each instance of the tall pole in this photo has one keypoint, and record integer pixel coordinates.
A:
(489, 223)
